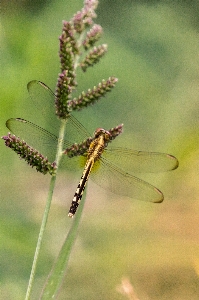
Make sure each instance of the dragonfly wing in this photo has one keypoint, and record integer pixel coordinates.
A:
(133, 161)
(35, 136)
(115, 180)
(45, 142)
(75, 131)
(44, 99)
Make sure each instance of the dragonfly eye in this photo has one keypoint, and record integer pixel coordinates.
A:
(100, 131)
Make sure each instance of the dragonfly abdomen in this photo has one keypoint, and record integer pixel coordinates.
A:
(80, 188)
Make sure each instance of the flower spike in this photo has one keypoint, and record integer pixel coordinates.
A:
(66, 81)
(114, 132)
(92, 36)
(93, 57)
(91, 96)
(63, 95)
(31, 156)
(78, 149)
(84, 18)
(68, 47)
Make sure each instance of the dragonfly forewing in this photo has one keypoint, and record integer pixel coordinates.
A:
(133, 161)
(35, 136)
(44, 99)
(44, 142)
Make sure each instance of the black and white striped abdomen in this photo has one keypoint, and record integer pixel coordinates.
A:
(80, 188)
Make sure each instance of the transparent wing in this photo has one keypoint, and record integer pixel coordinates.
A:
(44, 99)
(118, 182)
(133, 161)
(35, 136)
(43, 141)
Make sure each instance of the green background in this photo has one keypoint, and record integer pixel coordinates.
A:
(153, 48)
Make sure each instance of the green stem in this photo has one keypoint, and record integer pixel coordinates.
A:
(60, 141)
(40, 238)
(46, 211)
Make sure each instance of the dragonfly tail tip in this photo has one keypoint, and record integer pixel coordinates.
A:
(70, 215)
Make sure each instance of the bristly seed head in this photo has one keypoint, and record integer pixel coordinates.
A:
(91, 96)
(68, 47)
(63, 95)
(78, 149)
(31, 156)
(66, 81)
(93, 56)
(92, 36)
(84, 18)
(114, 132)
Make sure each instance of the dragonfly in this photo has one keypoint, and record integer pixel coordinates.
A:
(109, 167)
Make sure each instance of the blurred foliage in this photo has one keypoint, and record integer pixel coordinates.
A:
(153, 49)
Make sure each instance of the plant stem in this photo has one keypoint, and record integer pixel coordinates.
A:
(46, 211)
(40, 238)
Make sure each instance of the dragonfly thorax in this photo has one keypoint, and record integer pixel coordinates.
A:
(98, 145)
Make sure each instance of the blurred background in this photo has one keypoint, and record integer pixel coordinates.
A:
(153, 48)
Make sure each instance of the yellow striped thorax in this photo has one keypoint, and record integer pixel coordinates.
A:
(97, 146)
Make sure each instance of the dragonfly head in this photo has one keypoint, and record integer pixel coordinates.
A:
(105, 133)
